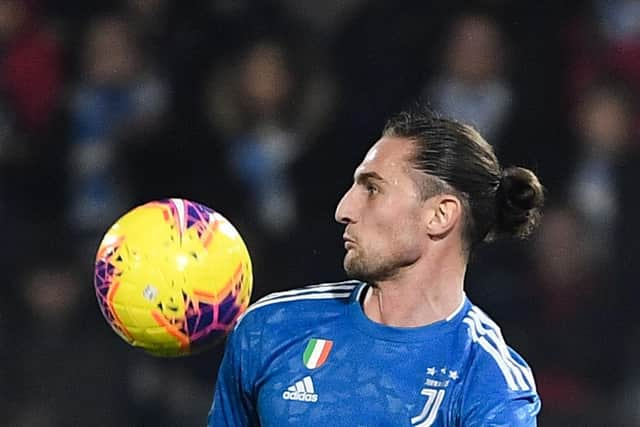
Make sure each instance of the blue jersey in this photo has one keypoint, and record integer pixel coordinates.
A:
(311, 357)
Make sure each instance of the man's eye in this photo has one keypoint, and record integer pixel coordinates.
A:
(372, 189)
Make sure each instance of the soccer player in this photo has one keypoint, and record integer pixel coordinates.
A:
(401, 345)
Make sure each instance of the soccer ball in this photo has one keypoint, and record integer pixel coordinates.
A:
(172, 277)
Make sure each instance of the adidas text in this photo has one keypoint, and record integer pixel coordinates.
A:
(299, 395)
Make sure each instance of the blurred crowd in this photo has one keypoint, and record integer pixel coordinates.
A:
(261, 110)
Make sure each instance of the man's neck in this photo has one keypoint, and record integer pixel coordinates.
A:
(419, 295)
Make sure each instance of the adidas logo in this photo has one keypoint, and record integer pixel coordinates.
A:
(302, 391)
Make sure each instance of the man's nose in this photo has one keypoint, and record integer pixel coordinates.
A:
(344, 210)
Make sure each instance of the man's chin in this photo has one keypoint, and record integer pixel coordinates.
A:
(354, 271)
(358, 271)
(349, 269)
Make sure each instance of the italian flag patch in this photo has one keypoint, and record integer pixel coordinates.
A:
(316, 353)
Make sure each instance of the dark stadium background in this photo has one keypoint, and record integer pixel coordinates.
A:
(261, 110)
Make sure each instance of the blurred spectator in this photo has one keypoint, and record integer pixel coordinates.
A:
(267, 115)
(251, 111)
(31, 72)
(63, 372)
(267, 111)
(619, 20)
(605, 40)
(30, 66)
(118, 95)
(605, 143)
(472, 85)
(572, 327)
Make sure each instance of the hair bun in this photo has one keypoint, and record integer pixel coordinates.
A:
(520, 198)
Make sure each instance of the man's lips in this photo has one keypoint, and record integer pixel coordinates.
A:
(349, 242)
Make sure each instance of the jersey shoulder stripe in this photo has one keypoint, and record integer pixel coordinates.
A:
(319, 288)
(486, 333)
(339, 290)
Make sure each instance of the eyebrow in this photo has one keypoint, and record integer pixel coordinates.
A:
(368, 176)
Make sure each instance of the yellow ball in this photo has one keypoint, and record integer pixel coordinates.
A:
(172, 277)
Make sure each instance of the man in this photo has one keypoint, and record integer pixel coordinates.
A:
(401, 345)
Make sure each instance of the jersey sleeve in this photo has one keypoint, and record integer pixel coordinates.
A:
(499, 410)
(501, 393)
(233, 402)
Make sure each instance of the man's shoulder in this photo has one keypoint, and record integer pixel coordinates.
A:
(308, 301)
(493, 361)
(498, 383)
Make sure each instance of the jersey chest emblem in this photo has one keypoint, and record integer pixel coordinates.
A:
(316, 353)
(435, 386)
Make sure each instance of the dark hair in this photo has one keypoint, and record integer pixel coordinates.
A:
(496, 202)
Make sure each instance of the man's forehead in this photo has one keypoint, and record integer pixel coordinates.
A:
(387, 152)
(368, 164)
(371, 154)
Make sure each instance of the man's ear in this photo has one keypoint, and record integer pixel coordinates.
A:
(445, 211)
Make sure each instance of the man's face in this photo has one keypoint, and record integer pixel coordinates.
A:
(383, 212)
